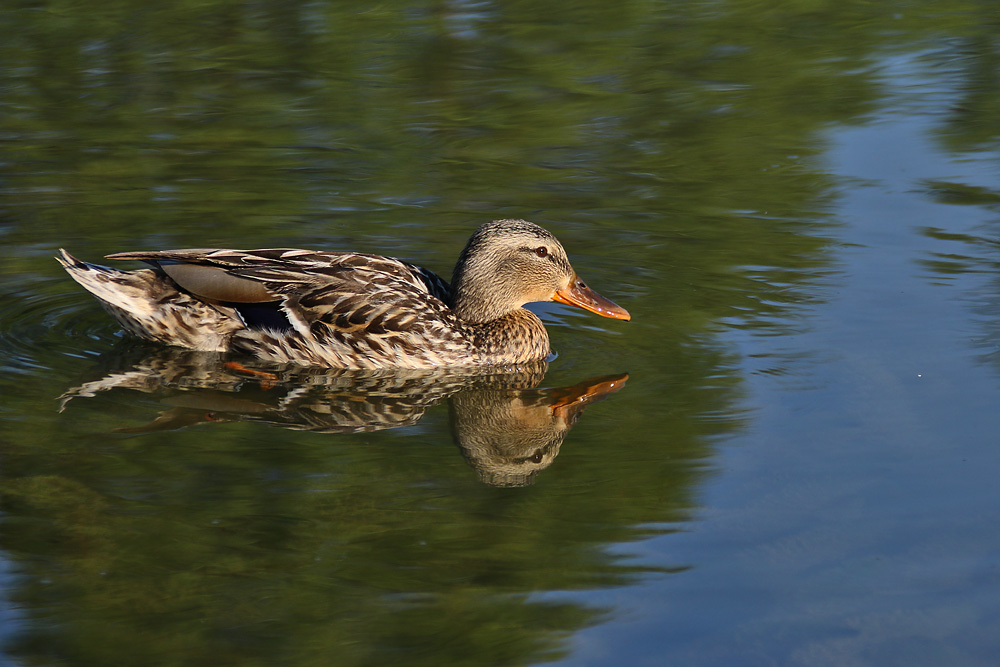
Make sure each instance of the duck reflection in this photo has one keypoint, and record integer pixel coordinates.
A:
(506, 428)
(507, 435)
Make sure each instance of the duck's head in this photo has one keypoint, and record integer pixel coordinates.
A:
(508, 263)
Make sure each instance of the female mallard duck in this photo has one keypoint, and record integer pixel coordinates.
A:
(349, 310)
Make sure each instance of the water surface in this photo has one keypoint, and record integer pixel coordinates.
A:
(794, 458)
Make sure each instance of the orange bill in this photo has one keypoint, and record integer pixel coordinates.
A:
(578, 294)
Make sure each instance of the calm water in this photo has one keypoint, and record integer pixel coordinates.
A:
(787, 457)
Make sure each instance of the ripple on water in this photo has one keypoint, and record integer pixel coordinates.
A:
(43, 322)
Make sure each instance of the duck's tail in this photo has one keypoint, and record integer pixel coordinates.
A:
(150, 305)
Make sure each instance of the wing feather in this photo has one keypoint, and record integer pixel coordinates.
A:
(345, 309)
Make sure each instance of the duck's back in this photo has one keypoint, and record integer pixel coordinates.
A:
(343, 310)
(361, 311)
(340, 310)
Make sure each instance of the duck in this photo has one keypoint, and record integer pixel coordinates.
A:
(349, 309)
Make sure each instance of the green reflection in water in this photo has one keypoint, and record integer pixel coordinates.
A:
(671, 147)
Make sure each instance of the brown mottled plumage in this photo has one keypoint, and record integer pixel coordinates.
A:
(349, 310)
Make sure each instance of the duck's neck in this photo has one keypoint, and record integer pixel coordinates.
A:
(517, 337)
(475, 303)
(501, 330)
(481, 288)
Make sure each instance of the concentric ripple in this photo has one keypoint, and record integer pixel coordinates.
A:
(43, 321)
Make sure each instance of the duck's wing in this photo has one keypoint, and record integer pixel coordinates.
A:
(268, 274)
(366, 312)
(350, 310)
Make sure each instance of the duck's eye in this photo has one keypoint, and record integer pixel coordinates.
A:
(541, 251)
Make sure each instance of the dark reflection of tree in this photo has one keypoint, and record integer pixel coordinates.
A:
(971, 64)
(972, 61)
